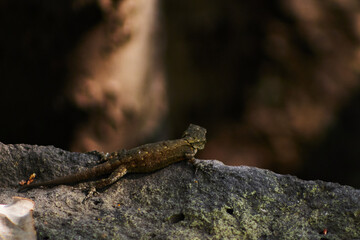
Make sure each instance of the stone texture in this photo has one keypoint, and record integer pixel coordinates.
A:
(211, 201)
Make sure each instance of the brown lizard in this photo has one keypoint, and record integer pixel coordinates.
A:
(142, 159)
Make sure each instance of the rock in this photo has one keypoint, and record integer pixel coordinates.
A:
(209, 201)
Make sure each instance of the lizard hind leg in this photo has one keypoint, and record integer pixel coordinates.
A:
(114, 176)
(102, 156)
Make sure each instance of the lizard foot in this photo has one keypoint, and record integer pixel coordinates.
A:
(196, 164)
(92, 192)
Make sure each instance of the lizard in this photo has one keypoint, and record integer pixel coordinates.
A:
(143, 159)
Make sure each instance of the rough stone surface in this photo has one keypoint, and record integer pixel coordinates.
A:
(212, 201)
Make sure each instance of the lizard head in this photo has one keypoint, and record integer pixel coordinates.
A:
(195, 136)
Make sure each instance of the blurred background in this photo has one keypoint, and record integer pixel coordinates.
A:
(276, 83)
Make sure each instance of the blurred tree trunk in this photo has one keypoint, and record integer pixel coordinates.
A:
(117, 77)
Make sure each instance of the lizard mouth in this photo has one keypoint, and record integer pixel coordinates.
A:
(196, 144)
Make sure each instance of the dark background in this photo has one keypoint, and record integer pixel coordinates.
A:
(274, 82)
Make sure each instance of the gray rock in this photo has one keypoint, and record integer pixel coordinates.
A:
(209, 201)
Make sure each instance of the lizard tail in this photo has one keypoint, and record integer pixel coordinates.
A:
(85, 175)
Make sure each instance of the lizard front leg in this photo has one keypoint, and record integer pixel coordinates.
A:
(190, 155)
(114, 176)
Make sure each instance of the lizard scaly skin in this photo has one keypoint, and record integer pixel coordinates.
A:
(142, 159)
